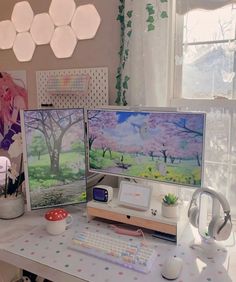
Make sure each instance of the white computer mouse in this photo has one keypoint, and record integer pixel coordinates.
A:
(172, 268)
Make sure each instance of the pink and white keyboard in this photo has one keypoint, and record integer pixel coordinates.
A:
(134, 255)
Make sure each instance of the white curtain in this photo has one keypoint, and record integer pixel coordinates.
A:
(142, 74)
(183, 6)
(220, 142)
(143, 78)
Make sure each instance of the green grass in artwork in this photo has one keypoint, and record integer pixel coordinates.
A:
(41, 176)
(186, 172)
(56, 198)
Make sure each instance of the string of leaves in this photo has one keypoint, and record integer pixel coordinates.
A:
(125, 19)
(152, 15)
(150, 20)
(126, 32)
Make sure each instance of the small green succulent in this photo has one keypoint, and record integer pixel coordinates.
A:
(170, 199)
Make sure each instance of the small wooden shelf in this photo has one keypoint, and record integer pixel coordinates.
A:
(142, 219)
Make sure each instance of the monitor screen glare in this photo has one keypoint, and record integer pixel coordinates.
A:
(160, 146)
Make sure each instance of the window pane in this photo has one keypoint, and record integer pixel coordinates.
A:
(203, 25)
(208, 71)
(205, 62)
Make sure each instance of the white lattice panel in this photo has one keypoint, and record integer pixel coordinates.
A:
(97, 94)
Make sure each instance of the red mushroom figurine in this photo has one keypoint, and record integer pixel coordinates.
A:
(56, 214)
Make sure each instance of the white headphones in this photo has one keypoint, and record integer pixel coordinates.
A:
(219, 228)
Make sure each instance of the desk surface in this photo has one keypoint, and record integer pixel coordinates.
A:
(25, 243)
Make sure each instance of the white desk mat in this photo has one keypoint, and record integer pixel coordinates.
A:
(52, 251)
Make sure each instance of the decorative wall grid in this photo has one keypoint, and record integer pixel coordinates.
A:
(97, 94)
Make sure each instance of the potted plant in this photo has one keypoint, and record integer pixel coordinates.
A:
(169, 207)
(11, 197)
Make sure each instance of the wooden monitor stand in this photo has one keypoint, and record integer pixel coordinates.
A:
(166, 228)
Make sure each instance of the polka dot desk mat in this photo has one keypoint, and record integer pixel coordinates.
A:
(54, 252)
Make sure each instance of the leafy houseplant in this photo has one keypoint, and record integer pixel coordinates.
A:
(170, 199)
(169, 206)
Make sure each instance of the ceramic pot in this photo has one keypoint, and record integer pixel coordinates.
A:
(170, 210)
(12, 206)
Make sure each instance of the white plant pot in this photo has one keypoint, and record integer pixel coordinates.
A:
(12, 206)
(170, 210)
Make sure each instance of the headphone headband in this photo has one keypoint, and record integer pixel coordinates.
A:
(220, 197)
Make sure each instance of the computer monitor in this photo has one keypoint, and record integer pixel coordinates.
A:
(54, 157)
(154, 145)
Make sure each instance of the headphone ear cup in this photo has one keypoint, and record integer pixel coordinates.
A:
(194, 216)
(214, 227)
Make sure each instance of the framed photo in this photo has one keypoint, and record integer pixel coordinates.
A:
(134, 195)
(54, 157)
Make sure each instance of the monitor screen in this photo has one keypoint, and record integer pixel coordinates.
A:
(54, 156)
(153, 145)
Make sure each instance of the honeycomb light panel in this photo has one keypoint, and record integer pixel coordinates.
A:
(85, 21)
(24, 47)
(7, 34)
(22, 16)
(63, 42)
(62, 11)
(42, 29)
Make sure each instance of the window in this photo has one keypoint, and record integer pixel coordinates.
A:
(205, 80)
(206, 53)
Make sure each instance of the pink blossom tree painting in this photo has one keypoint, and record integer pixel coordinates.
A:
(162, 146)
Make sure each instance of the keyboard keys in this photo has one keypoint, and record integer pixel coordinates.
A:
(136, 256)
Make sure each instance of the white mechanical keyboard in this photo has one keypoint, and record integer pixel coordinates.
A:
(136, 255)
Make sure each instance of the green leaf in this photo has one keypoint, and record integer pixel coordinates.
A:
(151, 27)
(129, 23)
(129, 33)
(117, 101)
(120, 18)
(164, 15)
(125, 83)
(150, 19)
(121, 9)
(129, 14)
(150, 9)
(127, 78)
(163, 1)
(170, 199)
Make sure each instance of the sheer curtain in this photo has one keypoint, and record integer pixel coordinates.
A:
(213, 55)
(142, 73)
(147, 68)
(183, 6)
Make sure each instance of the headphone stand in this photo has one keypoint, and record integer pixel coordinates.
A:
(208, 248)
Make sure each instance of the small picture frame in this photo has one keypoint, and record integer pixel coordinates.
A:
(134, 195)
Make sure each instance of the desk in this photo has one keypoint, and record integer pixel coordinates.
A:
(25, 243)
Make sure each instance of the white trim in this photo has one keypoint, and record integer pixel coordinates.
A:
(171, 51)
(222, 103)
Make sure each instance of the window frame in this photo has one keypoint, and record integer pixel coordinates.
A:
(176, 70)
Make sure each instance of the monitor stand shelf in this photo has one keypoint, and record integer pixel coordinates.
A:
(166, 228)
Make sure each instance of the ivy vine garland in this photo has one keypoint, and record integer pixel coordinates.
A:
(122, 83)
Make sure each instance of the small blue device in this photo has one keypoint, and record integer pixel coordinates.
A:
(102, 193)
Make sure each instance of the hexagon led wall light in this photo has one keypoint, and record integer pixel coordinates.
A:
(22, 16)
(42, 29)
(24, 47)
(63, 42)
(7, 34)
(62, 11)
(85, 21)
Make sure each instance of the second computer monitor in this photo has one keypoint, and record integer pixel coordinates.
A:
(153, 145)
